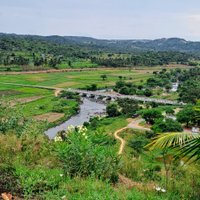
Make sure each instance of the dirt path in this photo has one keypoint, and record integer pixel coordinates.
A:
(61, 70)
(122, 141)
(129, 183)
(57, 92)
(135, 124)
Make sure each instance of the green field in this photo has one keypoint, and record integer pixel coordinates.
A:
(37, 101)
(77, 79)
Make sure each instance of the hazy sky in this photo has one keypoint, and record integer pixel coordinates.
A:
(114, 19)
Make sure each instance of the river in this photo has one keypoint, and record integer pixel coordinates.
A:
(88, 109)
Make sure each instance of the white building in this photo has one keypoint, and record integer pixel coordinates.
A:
(174, 87)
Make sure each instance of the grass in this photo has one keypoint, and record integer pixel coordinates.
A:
(78, 79)
(44, 105)
(50, 104)
(16, 92)
(65, 80)
(110, 125)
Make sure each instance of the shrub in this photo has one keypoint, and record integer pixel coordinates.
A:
(80, 155)
(128, 106)
(112, 110)
(151, 115)
(69, 95)
(9, 181)
(138, 143)
(37, 180)
(167, 125)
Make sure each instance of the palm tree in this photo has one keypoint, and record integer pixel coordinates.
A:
(186, 145)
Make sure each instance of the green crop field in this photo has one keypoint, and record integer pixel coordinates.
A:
(76, 79)
(36, 101)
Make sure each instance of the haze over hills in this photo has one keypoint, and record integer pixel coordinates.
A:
(164, 44)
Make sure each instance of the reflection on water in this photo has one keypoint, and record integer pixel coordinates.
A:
(87, 109)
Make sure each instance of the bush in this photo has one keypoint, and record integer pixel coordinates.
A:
(167, 125)
(112, 110)
(9, 181)
(92, 87)
(151, 115)
(138, 143)
(37, 180)
(69, 95)
(80, 155)
(128, 106)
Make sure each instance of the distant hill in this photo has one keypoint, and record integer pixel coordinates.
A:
(126, 46)
(164, 44)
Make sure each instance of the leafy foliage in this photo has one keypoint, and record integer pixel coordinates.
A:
(166, 125)
(185, 144)
(81, 155)
(112, 110)
(151, 115)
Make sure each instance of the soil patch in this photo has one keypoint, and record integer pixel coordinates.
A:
(9, 92)
(25, 100)
(66, 84)
(50, 117)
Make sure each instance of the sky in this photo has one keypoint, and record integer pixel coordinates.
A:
(104, 19)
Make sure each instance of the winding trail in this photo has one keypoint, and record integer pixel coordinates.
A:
(129, 183)
(122, 141)
(134, 124)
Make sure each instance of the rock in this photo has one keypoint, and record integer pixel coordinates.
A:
(6, 196)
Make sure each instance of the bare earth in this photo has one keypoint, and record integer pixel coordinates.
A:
(50, 117)
(129, 183)
(135, 124)
(122, 141)
(25, 100)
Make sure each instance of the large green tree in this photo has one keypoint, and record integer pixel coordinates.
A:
(151, 115)
(167, 125)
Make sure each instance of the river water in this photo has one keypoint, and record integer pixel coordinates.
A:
(88, 109)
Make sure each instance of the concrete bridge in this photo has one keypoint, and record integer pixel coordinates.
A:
(99, 94)
(116, 96)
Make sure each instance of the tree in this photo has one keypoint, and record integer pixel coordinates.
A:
(70, 63)
(166, 125)
(147, 92)
(169, 111)
(104, 77)
(53, 63)
(92, 87)
(128, 106)
(196, 108)
(124, 90)
(112, 110)
(151, 115)
(186, 115)
(168, 87)
(190, 91)
(120, 77)
(183, 145)
(120, 84)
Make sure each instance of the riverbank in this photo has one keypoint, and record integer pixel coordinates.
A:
(87, 110)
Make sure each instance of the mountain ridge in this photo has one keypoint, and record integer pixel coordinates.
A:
(120, 45)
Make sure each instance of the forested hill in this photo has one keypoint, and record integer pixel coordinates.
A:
(126, 46)
(31, 52)
(170, 44)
